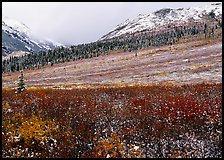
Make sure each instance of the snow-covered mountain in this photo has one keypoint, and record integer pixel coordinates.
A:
(16, 36)
(151, 21)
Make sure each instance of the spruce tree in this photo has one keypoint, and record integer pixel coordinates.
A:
(21, 84)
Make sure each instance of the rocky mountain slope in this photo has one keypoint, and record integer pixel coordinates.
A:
(16, 36)
(163, 17)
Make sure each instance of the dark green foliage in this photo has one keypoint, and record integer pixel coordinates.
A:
(21, 84)
(212, 14)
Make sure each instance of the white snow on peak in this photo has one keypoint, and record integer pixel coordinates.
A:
(54, 42)
(162, 17)
(15, 25)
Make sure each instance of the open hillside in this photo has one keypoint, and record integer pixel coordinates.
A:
(192, 60)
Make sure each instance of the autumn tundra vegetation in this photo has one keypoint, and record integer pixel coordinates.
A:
(128, 121)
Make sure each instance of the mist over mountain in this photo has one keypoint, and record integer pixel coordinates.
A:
(16, 36)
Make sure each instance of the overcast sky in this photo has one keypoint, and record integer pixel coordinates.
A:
(81, 22)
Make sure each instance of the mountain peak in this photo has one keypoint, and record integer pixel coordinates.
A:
(15, 25)
(162, 17)
(16, 36)
(163, 12)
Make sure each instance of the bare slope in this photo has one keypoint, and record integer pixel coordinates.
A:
(190, 61)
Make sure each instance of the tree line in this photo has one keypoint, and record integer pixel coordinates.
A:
(127, 42)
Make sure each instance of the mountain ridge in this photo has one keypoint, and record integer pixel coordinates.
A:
(17, 36)
(161, 18)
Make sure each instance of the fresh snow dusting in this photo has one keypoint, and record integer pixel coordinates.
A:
(16, 54)
(14, 27)
(28, 48)
(54, 42)
(12, 24)
(162, 17)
